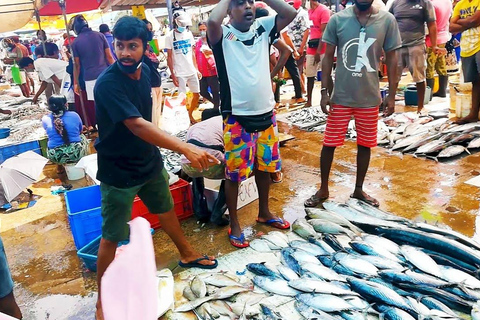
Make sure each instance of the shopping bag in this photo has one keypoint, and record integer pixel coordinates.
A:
(175, 115)
(67, 88)
(129, 285)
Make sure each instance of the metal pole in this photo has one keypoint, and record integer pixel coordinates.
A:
(170, 14)
(61, 3)
(337, 5)
(37, 16)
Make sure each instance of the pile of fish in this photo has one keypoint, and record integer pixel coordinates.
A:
(349, 261)
(171, 159)
(24, 122)
(437, 139)
(307, 118)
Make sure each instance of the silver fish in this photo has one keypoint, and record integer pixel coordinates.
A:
(188, 293)
(382, 263)
(431, 147)
(464, 137)
(453, 275)
(287, 273)
(380, 241)
(412, 277)
(304, 257)
(316, 213)
(219, 280)
(374, 250)
(307, 246)
(325, 226)
(421, 260)
(405, 142)
(325, 302)
(260, 245)
(227, 292)
(475, 143)
(190, 305)
(275, 286)
(222, 308)
(198, 286)
(464, 127)
(426, 139)
(356, 264)
(311, 314)
(391, 313)
(452, 151)
(476, 311)
(303, 228)
(319, 286)
(275, 241)
(364, 207)
(269, 313)
(322, 272)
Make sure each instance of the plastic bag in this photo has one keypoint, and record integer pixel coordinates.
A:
(175, 115)
(67, 88)
(16, 74)
(129, 285)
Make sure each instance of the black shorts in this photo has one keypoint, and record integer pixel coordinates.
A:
(471, 68)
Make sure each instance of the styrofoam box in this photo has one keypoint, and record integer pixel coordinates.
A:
(247, 192)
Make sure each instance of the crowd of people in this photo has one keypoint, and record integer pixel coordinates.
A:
(235, 64)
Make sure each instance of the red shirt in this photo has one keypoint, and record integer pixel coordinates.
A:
(205, 65)
(317, 16)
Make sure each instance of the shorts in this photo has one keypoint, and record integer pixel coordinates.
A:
(414, 59)
(471, 68)
(246, 151)
(312, 67)
(6, 282)
(436, 63)
(366, 123)
(89, 85)
(191, 81)
(117, 204)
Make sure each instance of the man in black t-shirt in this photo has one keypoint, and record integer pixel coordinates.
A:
(129, 162)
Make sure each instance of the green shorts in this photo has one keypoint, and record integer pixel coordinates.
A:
(117, 204)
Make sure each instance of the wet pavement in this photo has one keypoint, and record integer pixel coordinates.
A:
(51, 283)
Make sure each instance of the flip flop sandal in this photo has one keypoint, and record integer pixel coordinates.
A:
(196, 263)
(280, 179)
(271, 222)
(240, 239)
(371, 201)
(313, 201)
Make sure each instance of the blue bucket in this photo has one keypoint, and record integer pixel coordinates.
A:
(4, 133)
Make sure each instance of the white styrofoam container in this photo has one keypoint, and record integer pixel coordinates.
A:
(247, 192)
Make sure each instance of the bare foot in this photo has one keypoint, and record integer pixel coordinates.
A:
(361, 195)
(467, 119)
(194, 256)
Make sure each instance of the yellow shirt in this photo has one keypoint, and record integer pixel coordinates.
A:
(470, 42)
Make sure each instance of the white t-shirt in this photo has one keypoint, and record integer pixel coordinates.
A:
(181, 44)
(47, 67)
(243, 67)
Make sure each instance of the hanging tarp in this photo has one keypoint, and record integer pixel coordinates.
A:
(14, 14)
(72, 6)
(57, 22)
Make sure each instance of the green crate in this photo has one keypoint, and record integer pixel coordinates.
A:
(43, 146)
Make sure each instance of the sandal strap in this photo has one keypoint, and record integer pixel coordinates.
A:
(239, 239)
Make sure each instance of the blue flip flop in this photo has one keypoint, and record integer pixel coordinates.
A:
(276, 220)
(196, 263)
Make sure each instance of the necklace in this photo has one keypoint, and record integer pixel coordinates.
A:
(362, 27)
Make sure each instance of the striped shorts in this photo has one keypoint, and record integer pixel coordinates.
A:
(365, 123)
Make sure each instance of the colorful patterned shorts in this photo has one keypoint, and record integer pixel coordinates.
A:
(246, 151)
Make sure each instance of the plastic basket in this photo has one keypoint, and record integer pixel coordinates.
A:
(9, 151)
(89, 253)
(182, 199)
(84, 214)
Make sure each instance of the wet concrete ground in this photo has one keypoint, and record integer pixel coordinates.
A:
(50, 282)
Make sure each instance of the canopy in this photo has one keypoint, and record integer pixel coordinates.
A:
(16, 13)
(72, 6)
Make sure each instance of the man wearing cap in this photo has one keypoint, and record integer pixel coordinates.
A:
(92, 54)
(181, 61)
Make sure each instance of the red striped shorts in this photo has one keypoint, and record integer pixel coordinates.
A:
(366, 124)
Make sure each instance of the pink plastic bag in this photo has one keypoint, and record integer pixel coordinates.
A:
(129, 285)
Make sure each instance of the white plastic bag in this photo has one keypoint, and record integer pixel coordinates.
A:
(175, 114)
(67, 88)
(129, 285)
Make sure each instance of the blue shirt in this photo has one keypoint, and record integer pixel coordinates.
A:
(71, 123)
(110, 40)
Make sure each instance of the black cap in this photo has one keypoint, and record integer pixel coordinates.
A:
(104, 28)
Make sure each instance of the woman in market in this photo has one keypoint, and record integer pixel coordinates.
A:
(66, 144)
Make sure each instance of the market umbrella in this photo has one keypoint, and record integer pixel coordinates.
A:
(19, 172)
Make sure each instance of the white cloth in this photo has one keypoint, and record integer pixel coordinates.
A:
(181, 44)
(47, 67)
(89, 85)
(191, 81)
(243, 60)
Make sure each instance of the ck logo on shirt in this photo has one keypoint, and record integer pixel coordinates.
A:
(183, 45)
(361, 44)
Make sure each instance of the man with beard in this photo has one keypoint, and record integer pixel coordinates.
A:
(129, 162)
(241, 51)
(356, 92)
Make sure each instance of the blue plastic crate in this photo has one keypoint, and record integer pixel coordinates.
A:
(84, 214)
(89, 253)
(15, 149)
